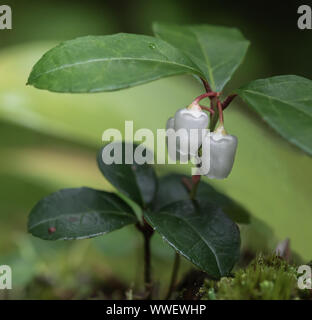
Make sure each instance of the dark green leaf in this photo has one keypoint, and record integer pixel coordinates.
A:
(285, 103)
(136, 181)
(216, 51)
(107, 63)
(171, 189)
(234, 210)
(201, 232)
(77, 214)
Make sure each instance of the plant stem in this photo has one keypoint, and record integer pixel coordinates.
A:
(213, 105)
(208, 109)
(192, 186)
(147, 260)
(205, 95)
(174, 275)
(228, 100)
(220, 110)
(206, 85)
(147, 232)
(214, 117)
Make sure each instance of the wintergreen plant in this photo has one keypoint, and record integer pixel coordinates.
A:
(195, 219)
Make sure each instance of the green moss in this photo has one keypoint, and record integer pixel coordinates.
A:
(266, 278)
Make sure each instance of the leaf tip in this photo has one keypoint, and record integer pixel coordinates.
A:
(30, 81)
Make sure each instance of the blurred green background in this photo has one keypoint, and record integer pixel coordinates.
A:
(49, 141)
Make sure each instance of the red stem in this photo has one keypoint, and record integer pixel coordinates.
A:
(208, 109)
(205, 95)
(228, 100)
(206, 85)
(195, 179)
(211, 94)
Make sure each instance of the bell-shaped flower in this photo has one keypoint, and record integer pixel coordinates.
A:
(189, 125)
(190, 118)
(218, 157)
(175, 141)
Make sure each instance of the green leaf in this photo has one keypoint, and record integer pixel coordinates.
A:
(285, 103)
(171, 189)
(136, 181)
(201, 232)
(108, 63)
(77, 214)
(216, 51)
